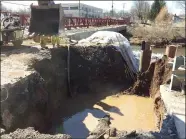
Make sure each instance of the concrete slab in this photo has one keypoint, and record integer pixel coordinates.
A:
(178, 73)
(179, 121)
(178, 61)
(175, 104)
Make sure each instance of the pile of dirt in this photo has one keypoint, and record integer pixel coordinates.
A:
(25, 104)
(148, 83)
(142, 86)
(94, 63)
(32, 134)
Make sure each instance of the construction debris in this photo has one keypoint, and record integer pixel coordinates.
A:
(32, 134)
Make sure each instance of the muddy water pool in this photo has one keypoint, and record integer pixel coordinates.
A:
(127, 113)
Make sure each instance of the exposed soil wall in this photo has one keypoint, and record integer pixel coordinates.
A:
(54, 72)
(25, 105)
(161, 75)
(148, 84)
(93, 63)
(142, 86)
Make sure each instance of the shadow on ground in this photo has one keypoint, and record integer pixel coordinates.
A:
(76, 127)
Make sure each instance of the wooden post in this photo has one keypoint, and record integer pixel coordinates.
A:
(145, 57)
(171, 51)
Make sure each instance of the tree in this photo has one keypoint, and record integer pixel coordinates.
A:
(23, 11)
(5, 9)
(181, 4)
(156, 7)
(141, 10)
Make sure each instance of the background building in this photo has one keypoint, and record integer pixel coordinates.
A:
(177, 19)
(72, 9)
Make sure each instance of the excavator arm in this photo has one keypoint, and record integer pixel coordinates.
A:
(45, 2)
(47, 18)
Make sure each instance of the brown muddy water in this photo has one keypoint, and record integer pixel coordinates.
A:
(127, 113)
(180, 50)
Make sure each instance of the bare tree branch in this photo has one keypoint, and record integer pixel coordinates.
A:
(141, 10)
(181, 4)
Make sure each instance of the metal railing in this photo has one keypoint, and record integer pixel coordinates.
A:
(74, 22)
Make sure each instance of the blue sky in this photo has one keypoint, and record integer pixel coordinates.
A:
(106, 5)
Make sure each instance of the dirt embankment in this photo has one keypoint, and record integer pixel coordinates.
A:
(93, 63)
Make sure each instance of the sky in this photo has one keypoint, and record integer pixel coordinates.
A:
(105, 5)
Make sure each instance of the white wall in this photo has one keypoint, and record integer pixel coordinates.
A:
(85, 10)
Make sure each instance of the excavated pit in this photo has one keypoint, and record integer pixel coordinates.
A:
(42, 99)
(148, 84)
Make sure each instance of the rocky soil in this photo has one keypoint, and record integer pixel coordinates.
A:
(32, 134)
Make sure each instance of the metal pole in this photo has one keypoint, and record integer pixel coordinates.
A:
(0, 24)
(123, 8)
(0, 13)
(79, 8)
(112, 9)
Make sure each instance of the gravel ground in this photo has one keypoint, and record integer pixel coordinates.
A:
(30, 133)
(14, 63)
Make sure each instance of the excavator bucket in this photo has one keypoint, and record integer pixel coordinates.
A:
(47, 20)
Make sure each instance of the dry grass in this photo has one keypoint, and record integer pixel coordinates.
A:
(153, 32)
(156, 32)
(163, 27)
(163, 16)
